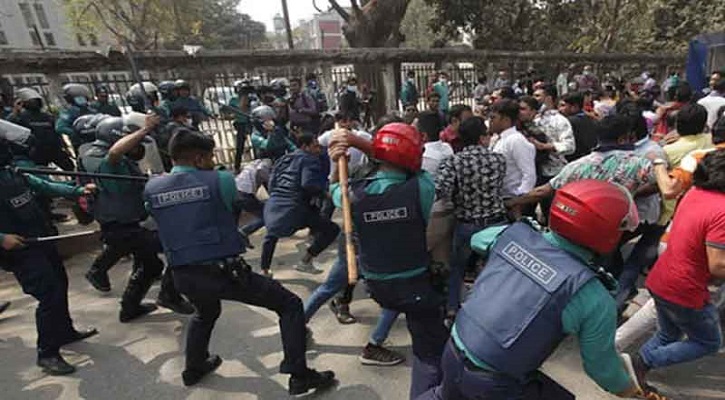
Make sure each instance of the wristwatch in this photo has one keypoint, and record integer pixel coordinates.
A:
(659, 161)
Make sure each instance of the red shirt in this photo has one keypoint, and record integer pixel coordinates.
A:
(681, 274)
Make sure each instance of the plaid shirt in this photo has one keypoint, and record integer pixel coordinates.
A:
(473, 181)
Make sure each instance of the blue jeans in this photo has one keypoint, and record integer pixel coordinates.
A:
(460, 255)
(643, 255)
(335, 282)
(668, 346)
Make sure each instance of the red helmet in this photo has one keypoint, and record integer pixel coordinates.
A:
(399, 144)
(593, 214)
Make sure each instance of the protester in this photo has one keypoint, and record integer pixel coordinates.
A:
(254, 176)
(457, 114)
(713, 102)
(677, 97)
(502, 80)
(433, 103)
(409, 91)
(519, 153)
(303, 112)
(583, 126)
(559, 131)
(481, 90)
(443, 89)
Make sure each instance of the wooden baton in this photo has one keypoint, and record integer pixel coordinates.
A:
(342, 171)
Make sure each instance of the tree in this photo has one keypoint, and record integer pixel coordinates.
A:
(148, 24)
(372, 23)
(417, 28)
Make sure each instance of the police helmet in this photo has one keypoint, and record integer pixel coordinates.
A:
(182, 84)
(263, 113)
(73, 93)
(85, 126)
(102, 88)
(110, 130)
(166, 90)
(135, 96)
(243, 86)
(279, 86)
(27, 94)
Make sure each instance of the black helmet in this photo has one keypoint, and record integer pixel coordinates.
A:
(85, 126)
(110, 130)
(182, 84)
(30, 98)
(279, 86)
(73, 91)
(166, 90)
(243, 86)
(135, 96)
(102, 88)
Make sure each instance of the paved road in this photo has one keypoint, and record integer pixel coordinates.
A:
(143, 360)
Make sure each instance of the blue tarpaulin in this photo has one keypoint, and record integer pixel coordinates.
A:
(697, 58)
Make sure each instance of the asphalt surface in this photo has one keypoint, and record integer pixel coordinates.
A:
(144, 359)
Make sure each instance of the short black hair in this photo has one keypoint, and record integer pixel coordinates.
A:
(613, 127)
(633, 111)
(531, 102)
(482, 79)
(683, 92)
(306, 139)
(429, 122)
(471, 131)
(550, 90)
(574, 99)
(457, 111)
(410, 73)
(691, 119)
(185, 144)
(710, 172)
(178, 111)
(720, 86)
(718, 128)
(388, 118)
(310, 76)
(507, 92)
(343, 115)
(508, 108)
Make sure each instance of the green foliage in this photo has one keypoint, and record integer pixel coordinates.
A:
(417, 27)
(579, 25)
(167, 24)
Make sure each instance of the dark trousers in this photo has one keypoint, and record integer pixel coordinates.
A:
(324, 231)
(644, 254)
(251, 204)
(241, 140)
(41, 273)
(58, 156)
(124, 239)
(206, 285)
(423, 309)
(462, 380)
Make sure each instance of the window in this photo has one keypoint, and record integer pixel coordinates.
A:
(35, 38)
(49, 39)
(42, 18)
(27, 15)
(81, 42)
(93, 39)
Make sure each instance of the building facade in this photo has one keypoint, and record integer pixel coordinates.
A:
(39, 25)
(322, 32)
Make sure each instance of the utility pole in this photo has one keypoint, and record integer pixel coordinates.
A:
(287, 25)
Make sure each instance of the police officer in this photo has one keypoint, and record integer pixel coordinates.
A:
(268, 139)
(119, 209)
(48, 145)
(144, 97)
(241, 103)
(537, 288)
(78, 99)
(37, 266)
(390, 210)
(84, 128)
(198, 112)
(103, 104)
(167, 91)
(193, 209)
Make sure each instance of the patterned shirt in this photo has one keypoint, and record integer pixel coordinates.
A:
(473, 180)
(560, 133)
(619, 166)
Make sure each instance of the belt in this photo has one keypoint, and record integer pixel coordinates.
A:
(483, 222)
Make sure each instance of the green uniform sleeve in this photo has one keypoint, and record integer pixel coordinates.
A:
(591, 315)
(259, 141)
(336, 194)
(64, 124)
(53, 189)
(113, 185)
(228, 189)
(291, 146)
(427, 193)
(482, 241)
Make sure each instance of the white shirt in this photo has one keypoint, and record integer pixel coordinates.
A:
(560, 133)
(253, 176)
(712, 103)
(357, 157)
(520, 157)
(433, 156)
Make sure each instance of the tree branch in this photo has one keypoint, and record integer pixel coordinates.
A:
(356, 9)
(343, 13)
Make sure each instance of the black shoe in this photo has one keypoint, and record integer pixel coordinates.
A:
(245, 240)
(379, 355)
(4, 306)
(55, 365)
(194, 375)
(142, 309)
(311, 380)
(99, 280)
(342, 312)
(80, 335)
(179, 305)
(57, 217)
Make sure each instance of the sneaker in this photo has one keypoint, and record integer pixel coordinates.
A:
(342, 312)
(267, 273)
(311, 380)
(308, 268)
(99, 280)
(137, 312)
(193, 376)
(178, 305)
(55, 365)
(378, 355)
